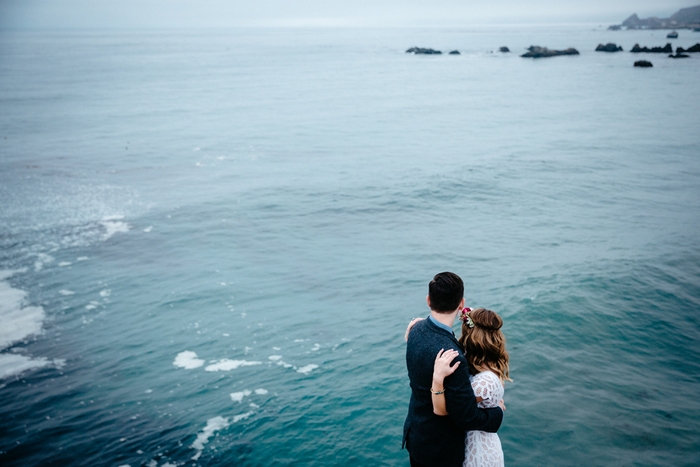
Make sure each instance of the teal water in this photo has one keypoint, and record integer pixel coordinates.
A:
(276, 200)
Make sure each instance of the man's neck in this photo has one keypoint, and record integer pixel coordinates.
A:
(448, 319)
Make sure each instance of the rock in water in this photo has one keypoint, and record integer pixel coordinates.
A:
(667, 49)
(535, 51)
(504, 49)
(609, 47)
(695, 48)
(418, 50)
(679, 56)
(643, 64)
(454, 52)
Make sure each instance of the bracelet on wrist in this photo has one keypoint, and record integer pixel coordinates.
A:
(437, 393)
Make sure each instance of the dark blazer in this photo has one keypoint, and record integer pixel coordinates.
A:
(432, 440)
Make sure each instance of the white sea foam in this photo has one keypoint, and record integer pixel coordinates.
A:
(188, 360)
(66, 292)
(92, 305)
(7, 273)
(41, 260)
(113, 225)
(315, 347)
(82, 258)
(18, 321)
(64, 263)
(278, 360)
(105, 293)
(227, 365)
(261, 391)
(13, 364)
(213, 425)
(148, 229)
(243, 416)
(238, 396)
(307, 369)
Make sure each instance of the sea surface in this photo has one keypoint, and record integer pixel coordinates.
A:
(211, 241)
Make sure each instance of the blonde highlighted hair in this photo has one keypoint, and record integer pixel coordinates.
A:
(484, 344)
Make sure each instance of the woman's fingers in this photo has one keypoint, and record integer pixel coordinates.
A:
(410, 325)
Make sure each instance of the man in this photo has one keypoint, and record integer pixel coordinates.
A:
(432, 440)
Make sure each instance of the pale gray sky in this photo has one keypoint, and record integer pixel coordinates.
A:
(221, 13)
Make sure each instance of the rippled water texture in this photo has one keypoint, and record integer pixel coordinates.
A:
(211, 242)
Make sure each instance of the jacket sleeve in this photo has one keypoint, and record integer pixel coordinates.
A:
(461, 403)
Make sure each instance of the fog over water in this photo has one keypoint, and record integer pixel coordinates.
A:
(220, 13)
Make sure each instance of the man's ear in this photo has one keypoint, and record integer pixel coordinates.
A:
(427, 300)
(461, 304)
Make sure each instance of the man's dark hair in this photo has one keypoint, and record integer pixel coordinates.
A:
(446, 290)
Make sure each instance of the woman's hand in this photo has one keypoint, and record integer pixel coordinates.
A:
(410, 325)
(442, 367)
(441, 370)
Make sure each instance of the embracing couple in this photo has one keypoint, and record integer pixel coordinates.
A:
(456, 403)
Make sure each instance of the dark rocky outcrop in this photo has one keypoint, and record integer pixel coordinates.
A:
(643, 64)
(679, 56)
(695, 48)
(667, 49)
(419, 50)
(455, 52)
(504, 49)
(535, 51)
(614, 27)
(672, 35)
(609, 47)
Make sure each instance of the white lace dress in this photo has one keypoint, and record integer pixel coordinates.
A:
(484, 449)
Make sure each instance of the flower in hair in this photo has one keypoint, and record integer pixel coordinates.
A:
(466, 317)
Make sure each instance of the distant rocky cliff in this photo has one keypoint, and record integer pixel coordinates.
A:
(683, 18)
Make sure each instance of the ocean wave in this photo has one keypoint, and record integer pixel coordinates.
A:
(113, 225)
(188, 360)
(213, 425)
(19, 322)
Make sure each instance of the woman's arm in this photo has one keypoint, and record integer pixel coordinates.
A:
(441, 370)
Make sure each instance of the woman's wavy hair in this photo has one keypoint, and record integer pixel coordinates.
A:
(484, 344)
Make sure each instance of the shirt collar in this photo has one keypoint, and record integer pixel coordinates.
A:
(441, 325)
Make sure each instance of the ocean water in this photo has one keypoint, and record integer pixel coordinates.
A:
(211, 241)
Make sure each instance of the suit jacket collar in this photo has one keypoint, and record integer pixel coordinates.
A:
(435, 328)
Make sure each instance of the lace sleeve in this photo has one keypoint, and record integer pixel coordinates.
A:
(487, 386)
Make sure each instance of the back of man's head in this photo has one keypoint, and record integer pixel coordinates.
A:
(445, 291)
